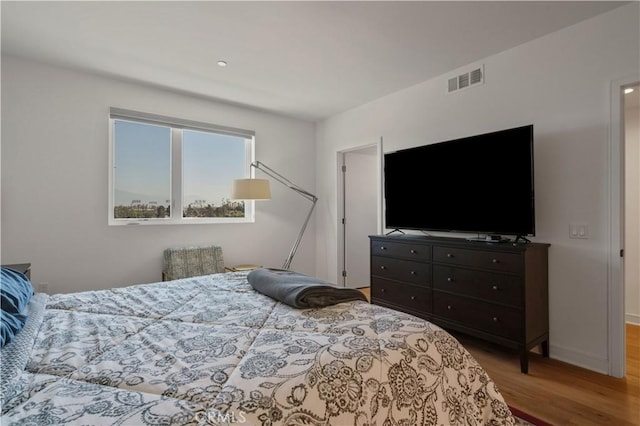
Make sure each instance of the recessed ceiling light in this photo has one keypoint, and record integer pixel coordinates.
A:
(627, 91)
(222, 63)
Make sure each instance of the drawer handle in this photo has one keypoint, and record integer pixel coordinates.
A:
(413, 251)
(413, 298)
(383, 267)
(495, 319)
(382, 290)
(494, 260)
(494, 287)
(449, 279)
(383, 248)
(449, 307)
(413, 272)
(449, 255)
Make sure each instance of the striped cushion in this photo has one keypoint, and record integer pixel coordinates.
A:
(184, 262)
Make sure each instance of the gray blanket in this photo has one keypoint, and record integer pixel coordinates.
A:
(15, 355)
(299, 290)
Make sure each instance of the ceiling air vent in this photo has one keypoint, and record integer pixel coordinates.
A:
(463, 80)
(475, 76)
(453, 84)
(466, 80)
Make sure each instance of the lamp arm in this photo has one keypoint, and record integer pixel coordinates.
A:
(304, 193)
(287, 262)
(283, 180)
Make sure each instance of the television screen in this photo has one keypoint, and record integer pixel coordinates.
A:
(480, 184)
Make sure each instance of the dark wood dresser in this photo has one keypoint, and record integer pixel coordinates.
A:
(494, 291)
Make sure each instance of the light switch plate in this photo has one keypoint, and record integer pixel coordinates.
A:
(579, 230)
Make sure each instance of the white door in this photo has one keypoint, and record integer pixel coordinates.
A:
(360, 213)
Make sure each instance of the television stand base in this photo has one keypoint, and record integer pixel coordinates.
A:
(395, 230)
(521, 237)
(489, 239)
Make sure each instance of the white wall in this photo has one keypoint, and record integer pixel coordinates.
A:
(632, 215)
(560, 83)
(54, 181)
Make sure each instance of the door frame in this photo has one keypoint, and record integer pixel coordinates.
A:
(615, 279)
(341, 226)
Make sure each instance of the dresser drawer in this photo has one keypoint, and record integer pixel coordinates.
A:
(402, 295)
(494, 287)
(404, 250)
(499, 320)
(495, 260)
(401, 270)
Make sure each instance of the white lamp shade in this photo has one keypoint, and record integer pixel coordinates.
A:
(251, 189)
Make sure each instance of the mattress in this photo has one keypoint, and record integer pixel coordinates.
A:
(211, 350)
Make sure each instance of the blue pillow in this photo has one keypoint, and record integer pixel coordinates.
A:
(15, 291)
(10, 325)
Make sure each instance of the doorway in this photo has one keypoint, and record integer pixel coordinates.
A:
(358, 206)
(624, 162)
(631, 188)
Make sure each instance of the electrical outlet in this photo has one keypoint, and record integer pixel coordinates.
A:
(43, 287)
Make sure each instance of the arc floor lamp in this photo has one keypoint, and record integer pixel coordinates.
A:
(258, 189)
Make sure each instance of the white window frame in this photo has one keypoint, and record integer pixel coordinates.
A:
(177, 125)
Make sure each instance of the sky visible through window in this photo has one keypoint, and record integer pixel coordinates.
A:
(210, 164)
(143, 165)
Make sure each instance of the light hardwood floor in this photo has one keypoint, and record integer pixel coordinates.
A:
(561, 393)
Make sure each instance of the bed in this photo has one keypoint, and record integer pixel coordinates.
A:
(211, 350)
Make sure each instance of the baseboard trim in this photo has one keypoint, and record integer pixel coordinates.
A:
(580, 359)
(632, 319)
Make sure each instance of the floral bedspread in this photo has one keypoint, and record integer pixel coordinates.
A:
(210, 351)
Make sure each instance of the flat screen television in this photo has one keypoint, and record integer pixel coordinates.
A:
(479, 184)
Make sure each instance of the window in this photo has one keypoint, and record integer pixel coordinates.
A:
(171, 171)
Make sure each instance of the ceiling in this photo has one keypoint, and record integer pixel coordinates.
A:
(304, 59)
